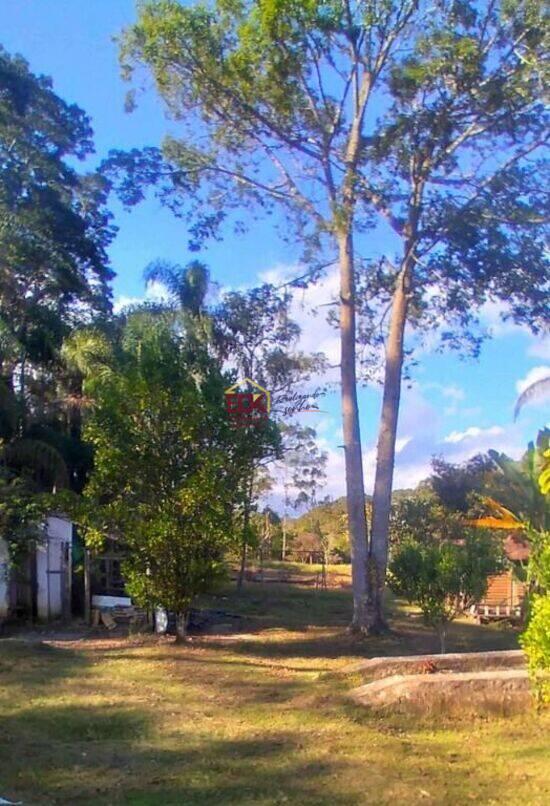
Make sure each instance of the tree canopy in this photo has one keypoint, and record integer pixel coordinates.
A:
(54, 272)
(426, 118)
(168, 466)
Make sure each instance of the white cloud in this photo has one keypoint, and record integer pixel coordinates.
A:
(124, 302)
(492, 315)
(450, 391)
(413, 454)
(453, 392)
(401, 443)
(309, 308)
(474, 432)
(328, 427)
(154, 292)
(410, 475)
(534, 374)
(471, 411)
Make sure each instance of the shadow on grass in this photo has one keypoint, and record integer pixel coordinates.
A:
(285, 606)
(97, 755)
(46, 747)
(299, 610)
(227, 745)
(37, 665)
(115, 756)
(240, 663)
(247, 771)
(82, 723)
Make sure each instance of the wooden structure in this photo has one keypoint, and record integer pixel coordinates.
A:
(505, 595)
(307, 548)
(104, 583)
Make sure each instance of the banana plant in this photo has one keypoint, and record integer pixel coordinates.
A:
(517, 493)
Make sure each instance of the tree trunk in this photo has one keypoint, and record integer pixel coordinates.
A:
(355, 489)
(244, 547)
(181, 626)
(442, 633)
(385, 459)
(87, 587)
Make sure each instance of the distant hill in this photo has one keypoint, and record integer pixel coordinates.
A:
(332, 519)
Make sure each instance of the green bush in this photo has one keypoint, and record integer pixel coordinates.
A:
(444, 577)
(536, 644)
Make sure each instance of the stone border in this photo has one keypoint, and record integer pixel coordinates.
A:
(429, 664)
(504, 692)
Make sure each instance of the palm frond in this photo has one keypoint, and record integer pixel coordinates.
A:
(87, 351)
(42, 461)
(490, 522)
(186, 285)
(534, 391)
(502, 519)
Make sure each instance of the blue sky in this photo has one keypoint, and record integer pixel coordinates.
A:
(454, 408)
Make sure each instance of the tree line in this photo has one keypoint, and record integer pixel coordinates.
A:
(338, 117)
(120, 419)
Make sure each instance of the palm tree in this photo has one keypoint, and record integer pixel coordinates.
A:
(537, 389)
(514, 495)
(187, 286)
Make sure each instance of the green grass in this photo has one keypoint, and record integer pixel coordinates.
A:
(296, 567)
(251, 721)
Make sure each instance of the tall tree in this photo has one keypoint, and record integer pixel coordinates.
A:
(251, 334)
(255, 336)
(167, 463)
(275, 97)
(461, 143)
(54, 272)
(278, 103)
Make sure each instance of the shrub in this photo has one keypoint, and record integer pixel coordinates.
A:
(536, 644)
(442, 577)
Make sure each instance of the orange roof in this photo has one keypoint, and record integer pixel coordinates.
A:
(516, 547)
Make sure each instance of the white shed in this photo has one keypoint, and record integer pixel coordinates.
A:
(42, 587)
(53, 570)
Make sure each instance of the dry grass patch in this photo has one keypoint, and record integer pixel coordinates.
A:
(247, 721)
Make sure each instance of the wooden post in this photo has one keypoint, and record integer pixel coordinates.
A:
(87, 588)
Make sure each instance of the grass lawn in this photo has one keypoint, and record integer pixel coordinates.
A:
(250, 720)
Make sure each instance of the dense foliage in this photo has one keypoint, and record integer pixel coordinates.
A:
(54, 275)
(536, 643)
(21, 516)
(168, 465)
(444, 578)
(53, 268)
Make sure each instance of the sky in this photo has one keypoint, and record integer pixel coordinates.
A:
(452, 407)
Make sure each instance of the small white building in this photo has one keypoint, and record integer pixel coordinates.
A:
(41, 587)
